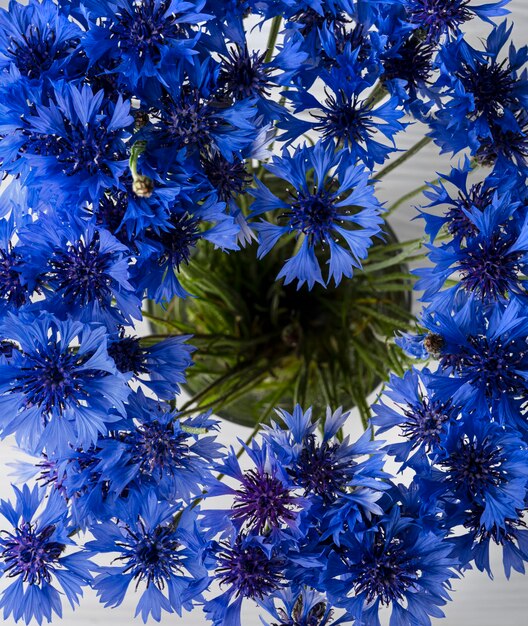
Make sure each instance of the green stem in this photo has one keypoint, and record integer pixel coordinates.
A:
(404, 157)
(408, 196)
(226, 398)
(298, 244)
(160, 321)
(377, 94)
(137, 149)
(418, 190)
(272, 39)
(215, 383)
(228, 339)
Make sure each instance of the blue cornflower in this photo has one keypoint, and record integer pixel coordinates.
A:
(308, 20)
(127, 215)
(408, 71)
(307, 608)
(397, 564)
(445, 17)
(344, 477)
(483, 357)
(248, 571)
(483, 467)
(85, 269)
(154, 449)
(359, 42)
(265, 502)
(37, 39)
(160, 553)
(247, 75)
(487, 94)
(229, 179)
(492, 261)
(422, 420)
(157, 274)
(507, 146)
(75, 474)
(73, 144)
(160, 367)
(167, 251)
(346, 118)
(33, 555)
(142, 40)
(189, 119)
(332, 208)
(456, 219)
(474, 545)
(59, 387)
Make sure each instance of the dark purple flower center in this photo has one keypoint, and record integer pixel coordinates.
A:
(151, 556)
(385, 572)
(50, 378)
(344, 119)
(492, 86)
(488, 269)
(438, 17)
(179, 240)
(156, 448)
(50, 474)
(143, 27)
(459, 224)
(412, 62)
(319, 470)
(491, 365)
(501, 535)
(506, 143)
(229, 178)
(82, 148)
(244, 74)
(263, 502)
(128, 355)
(82, 272)
(354, 38)
(425, 422)
(311, 21)
(30, 553)
(190, 121)
(249, 571)
(313, 214)
(476, 466)
(36, 50)
(111, 211)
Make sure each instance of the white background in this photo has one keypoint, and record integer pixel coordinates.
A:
(477, 601)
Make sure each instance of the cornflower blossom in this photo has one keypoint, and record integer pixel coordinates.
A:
(53, 393)
(161, 558)
(33, 553)
(331, 209)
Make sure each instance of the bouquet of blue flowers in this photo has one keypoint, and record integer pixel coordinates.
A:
(159, 169)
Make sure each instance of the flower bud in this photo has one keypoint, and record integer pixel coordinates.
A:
(143, 186)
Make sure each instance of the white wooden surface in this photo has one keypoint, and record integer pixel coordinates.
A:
(477, 601)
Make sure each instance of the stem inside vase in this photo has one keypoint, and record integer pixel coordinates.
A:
(262, 344)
